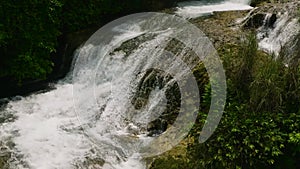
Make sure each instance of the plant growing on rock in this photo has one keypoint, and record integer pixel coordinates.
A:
(260, 125)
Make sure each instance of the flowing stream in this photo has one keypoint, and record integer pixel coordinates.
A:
(104, 113)
(85, 122)
(194, 9)
(280, 29)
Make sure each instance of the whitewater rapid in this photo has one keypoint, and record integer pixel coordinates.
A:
(84, 121)
(49, 132)
(194, 9)
(89, 120)
(282, 34)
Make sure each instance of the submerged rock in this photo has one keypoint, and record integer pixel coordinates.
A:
(132, 129)
(151, 80)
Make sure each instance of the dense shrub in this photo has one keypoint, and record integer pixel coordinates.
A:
(28, 34)
(29, 29)
(260, 127)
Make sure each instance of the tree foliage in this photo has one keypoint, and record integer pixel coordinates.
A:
(29, 29)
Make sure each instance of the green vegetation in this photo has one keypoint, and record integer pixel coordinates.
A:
(30, 29)
(257, 2)
(28, 33)
(260, 127)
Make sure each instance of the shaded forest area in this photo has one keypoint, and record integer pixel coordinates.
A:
(38, 36)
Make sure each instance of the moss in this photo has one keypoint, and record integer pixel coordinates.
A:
(175, 158)
(170, 163)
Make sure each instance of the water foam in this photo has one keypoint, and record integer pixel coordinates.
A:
(194, 9)
(46, 131)
(84, 121)
(272, 39)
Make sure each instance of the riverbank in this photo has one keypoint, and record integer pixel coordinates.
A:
(228, 31)
(261, 117)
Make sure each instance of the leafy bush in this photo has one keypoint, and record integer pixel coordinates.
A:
(169, 163)
(29, 29)
(259, 120)
(260, 127)
(245, 139)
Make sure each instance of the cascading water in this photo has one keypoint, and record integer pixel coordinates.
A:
(108, 127)
(98, 117)
(280, 31)
(194, 9)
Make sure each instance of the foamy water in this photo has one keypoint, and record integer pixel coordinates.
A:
(49, 132)
(194, 9)
(46, 132)
(272, 39)
(88, 119)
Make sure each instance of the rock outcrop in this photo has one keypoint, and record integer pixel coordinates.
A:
(277, 26)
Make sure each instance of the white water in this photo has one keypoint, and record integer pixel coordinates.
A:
(194, 9)
(50, 133)
(47, 131)
(89, 115)
(272, 39)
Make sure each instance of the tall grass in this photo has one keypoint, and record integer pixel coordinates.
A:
(260, 127)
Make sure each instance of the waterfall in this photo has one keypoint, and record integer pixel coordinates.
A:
(273, 37)
(194, 9)
(47, 132)
(102, 114)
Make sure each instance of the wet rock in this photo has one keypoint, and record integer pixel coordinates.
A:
(129, 46)
(290, 52)
(91, 163)
(5, 153)
(151, 80)
(255, 21)
(4, 158)
(6, 117)
(132, 129)
(271, 20)
(157, 127)
(258, 20)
